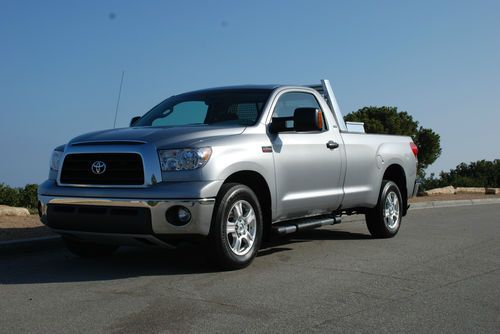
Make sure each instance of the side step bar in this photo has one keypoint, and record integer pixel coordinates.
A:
(292, 226)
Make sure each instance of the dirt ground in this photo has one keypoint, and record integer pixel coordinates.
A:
(12, 228)
(22, 227)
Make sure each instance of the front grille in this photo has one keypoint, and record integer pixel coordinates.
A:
(120, 169)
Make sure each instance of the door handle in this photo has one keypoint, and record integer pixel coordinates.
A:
(332, 145)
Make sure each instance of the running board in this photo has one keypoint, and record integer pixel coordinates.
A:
(292, 226)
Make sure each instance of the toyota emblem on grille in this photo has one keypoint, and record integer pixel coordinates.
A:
(98, 167)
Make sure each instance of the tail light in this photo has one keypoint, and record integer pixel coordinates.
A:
(414, 149)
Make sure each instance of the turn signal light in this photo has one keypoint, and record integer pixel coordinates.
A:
(320, 120)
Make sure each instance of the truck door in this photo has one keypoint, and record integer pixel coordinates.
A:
(307, 165)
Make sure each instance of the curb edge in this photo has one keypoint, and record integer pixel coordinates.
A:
(447, 204)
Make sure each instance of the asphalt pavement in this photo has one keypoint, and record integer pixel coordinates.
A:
(441, 273)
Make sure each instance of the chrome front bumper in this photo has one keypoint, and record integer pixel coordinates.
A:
(201, 212)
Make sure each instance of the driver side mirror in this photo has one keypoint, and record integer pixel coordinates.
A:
(308, 120)
(134, 120)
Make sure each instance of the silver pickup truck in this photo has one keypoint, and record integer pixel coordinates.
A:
(229, 166)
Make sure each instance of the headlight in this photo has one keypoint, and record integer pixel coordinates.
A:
(55, 160)
(184, 159)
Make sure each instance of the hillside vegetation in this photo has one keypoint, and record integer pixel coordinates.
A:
(482, 173)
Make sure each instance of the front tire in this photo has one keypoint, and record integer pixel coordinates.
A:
(88, 249)
(236, 230)
(384, 220)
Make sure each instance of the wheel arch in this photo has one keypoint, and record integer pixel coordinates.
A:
(396, 173)
(260, 187)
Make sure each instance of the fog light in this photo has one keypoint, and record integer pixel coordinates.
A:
(183, 214)
(178, 215)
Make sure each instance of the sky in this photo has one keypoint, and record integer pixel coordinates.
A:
(61, 64)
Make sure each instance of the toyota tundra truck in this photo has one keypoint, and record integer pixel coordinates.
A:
(229, 166)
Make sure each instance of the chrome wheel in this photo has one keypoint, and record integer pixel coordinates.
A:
(241, 227)
(391, 210)
(384, 220)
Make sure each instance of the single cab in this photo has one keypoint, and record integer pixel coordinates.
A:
(229, 166)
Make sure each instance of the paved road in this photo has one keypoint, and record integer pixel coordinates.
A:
(440, 274)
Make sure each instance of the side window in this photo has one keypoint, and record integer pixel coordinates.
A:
(193, 112)
(288, 102)
(245, 113)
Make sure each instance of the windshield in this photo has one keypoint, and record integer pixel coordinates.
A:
(221, 107)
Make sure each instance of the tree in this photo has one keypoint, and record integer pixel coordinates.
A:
(429, 147)
(480, 173)
(28, 196)
(388, 120)
(8, 196)
(25, 197)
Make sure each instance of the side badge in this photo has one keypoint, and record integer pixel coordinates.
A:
(267, 149)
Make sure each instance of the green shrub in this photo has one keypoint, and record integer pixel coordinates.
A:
(9, 196)
(480, 173)
(28, 196)
(24, 197)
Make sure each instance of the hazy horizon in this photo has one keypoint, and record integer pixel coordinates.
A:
(61, 64)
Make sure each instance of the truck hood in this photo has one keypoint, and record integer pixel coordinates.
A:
(162, 137)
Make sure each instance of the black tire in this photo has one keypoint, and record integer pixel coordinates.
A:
(221, 241)
(88, 249)
(383, 223)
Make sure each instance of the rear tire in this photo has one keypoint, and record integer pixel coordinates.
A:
(384, 220)
(88, 249)
(236, 229)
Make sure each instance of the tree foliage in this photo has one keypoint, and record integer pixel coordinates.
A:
(28, 196)
(480, 173)
(8, 196)
(24, 197)
(388, 120)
